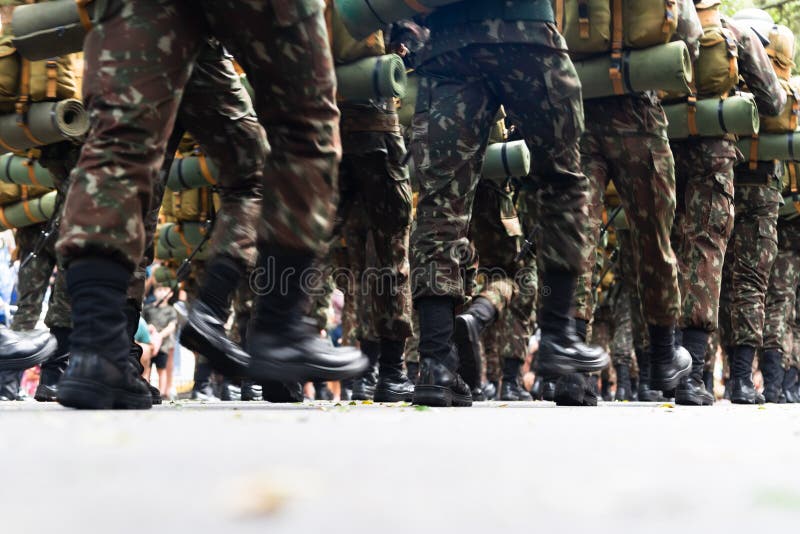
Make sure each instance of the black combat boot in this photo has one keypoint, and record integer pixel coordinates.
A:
(282, 392)
(412, 369)
(282, 343)
(251, 391)
(204, 332)
(581, 329)
(439, 383)
(790, 382)
(708, 380)
(364, 385)
(549, 388)
(132, 315)
(347, 389)
(623, 383)
(393, 383)
(322, 392)
(742, 389)
(605, 389)
(53, 369)
(560, 350)
(203, 389)
(646, 394)
(9, 385)
(691, 390)
(576, 389)
(668, 364)
(490, 390)
(100, 374)
(228, 391)
(468, 329)
(771, 363)
(21, 350)
(538, 386)
(511, 389)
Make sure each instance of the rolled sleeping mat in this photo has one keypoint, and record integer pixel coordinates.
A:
(665, 67)
(408, 102)
(177, 241)
(56, 28)
(165, 275)
(372, 77)
(784, 147)
(791, 207)
(364, 17)
(21, 170)
(714, 117)
(47, 123)
(192, 172)
(27, 212)
(504, 160)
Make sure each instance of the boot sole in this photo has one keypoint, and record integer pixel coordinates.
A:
(439, 396)
(561, 365)
(91, 395)
(20, 364)
(387, 395)
(672, 382)
(690, 399)
(302, 372)
(196, 340)
(469, 353)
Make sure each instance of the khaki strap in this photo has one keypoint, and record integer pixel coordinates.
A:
(418, 7)
(793, 177)
(30, 163)
(205, 171)
(83, 13)
(182, 236)
(583, 18)
(26, 207)
(23, 192)
(203, 203)
(3, 219)
(754, 153)
(23, 102)
(52, 79)
(615, 72)
(691, 115)
(560, 15)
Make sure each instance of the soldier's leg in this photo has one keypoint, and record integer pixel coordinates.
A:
(552, 125)
(295, 102)
(705, 171)
(755, 246)
(791, 380)
(451, 128)
(132, 87)
(34, 275)
(776, 354)
(622, 342)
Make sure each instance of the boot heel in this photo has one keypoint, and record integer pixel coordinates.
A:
(84, 395)
(433, 396)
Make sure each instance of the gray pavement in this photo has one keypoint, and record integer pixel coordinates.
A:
(494, 468)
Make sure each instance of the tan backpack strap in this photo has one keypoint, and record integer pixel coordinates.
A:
(792, 168)
(691, 115)
(754, 153)
(30, 164)
(23, 192)
(666, 27)
(583, 18)
(3, 219)
(52, 79)
(26, 207)
(615, 72)
(83, 14)
(560, 15)
(24, 100)
(205, 171)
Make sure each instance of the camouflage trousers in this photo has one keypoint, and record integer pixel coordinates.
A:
(33, 278)
(138, 62)
(626, 141)
(510, 285)
(460, 94)
(748, 263)
(795, 334)
(784, 281)
(703, 225)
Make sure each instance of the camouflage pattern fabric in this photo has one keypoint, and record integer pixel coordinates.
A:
(626, 141)
(750, 255)
(459, 96)
(641, 340)
(782, 291)
(703, 225)
(33, 278)
(622, 335)
(411, 354)
(795, 334)
(113, 184)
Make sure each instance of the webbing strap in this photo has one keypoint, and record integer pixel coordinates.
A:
(583, 18)
(52, 79)
(691, 115)
(205, 171)
(3, 219)
(22, 104)
(615, 72)
(753, 153)
(792, 177)
(560, 15)
(721, 115)
(26, 207)
(83, 13)
(31, 166)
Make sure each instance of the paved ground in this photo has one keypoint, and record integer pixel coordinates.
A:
(369, 468)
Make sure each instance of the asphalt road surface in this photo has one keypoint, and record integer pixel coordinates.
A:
(321, 467)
